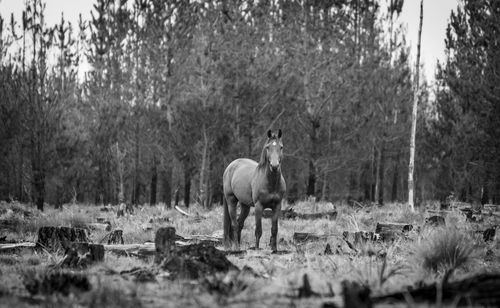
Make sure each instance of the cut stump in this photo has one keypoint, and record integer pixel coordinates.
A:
(59, 238)
(164, 243)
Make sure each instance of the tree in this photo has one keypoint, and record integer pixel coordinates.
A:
(411, 187)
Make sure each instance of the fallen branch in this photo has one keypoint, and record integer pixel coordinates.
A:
(13, 247)
(182, 211)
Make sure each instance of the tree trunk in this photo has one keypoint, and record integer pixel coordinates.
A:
(381, 168)
(325, 184)
(312, 178)
(411, 184)
(136, 187)
(154, 182)
(378, 156)
(202, 185)
(311, 183)
(166, 185)
(38, 173)
(395, 179)
(373, 174)
(187, 186)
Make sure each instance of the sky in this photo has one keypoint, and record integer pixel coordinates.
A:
(436, 16)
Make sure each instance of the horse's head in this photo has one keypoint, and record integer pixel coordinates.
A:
(274, 150)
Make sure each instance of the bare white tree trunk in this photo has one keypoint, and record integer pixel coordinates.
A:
(416, 92)
(202, 186)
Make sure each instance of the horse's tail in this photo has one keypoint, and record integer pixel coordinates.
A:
(227, 224)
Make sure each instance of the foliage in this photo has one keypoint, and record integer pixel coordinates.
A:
(178, 89)
(445, 249)
(461, 136)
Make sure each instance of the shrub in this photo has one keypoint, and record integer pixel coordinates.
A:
(444, 249)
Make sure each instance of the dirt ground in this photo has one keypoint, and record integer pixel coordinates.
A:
(301, 274)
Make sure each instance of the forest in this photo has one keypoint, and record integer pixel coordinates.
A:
(176, 90)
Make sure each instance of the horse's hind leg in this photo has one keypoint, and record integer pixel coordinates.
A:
(232, 208)
(258, 223)
(245, 209)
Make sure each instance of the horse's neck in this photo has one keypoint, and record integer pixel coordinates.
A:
(273, 178)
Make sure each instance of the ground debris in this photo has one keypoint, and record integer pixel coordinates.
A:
(480, 290)
(435, 221)
(291, 214)
(56, 282)
(390, 231)
(489, 234)
(141, 274)
(195, 261)
(190, 261)
(305, 290)
(81, 255)
(356, 295)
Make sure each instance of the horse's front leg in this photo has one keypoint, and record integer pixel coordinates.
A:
(258, 223)
(274, 227)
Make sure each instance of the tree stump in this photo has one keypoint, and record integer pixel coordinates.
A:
(392, 231)
(435, 221)
(81, 255)
(58, 238)
(116, 237)
(164, 243)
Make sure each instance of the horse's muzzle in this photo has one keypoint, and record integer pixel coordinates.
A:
(274, 167)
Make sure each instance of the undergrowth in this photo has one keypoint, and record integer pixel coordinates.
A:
(444, 249)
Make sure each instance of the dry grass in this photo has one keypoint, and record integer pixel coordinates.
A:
(382, 266)
(444, 249)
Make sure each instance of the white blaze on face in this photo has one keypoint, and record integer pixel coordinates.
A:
(274, 142)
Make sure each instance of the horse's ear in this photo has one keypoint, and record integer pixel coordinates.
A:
(269, 134)
(279, 133)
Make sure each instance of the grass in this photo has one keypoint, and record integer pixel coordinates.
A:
(444, 249)
(382, 266)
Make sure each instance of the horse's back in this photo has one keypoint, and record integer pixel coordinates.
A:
(238, 179)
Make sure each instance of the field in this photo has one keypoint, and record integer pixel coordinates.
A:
(301, 274)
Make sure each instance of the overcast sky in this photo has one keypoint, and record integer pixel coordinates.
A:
(436, 16)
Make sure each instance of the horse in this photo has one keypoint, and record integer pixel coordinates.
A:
(248, 183)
